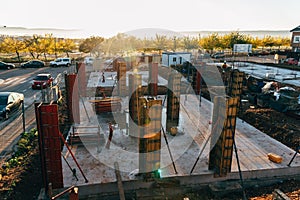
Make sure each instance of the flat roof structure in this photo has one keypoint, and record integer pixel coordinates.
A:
(287, 76)
(96, 79)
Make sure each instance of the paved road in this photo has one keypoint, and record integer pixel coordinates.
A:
(19, 80)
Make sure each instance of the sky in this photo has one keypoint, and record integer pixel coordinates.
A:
(109, 17)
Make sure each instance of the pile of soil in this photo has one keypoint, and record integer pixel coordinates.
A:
(280, 126)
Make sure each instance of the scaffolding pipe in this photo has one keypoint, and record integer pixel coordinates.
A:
(206, 142)
(63, 139)
(238, 161)
(73, 170)
(85, 109)
(63, 192)
(297, 151)
(169, 149)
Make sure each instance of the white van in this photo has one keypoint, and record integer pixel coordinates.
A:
(59, 62)
(89, 60)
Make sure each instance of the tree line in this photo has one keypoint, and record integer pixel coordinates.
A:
(124, 44)
(39, 47)
(36, 46)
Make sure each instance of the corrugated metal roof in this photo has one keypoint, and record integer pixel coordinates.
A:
(295, 29)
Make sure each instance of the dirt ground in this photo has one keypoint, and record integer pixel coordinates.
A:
(25, 182)
(283, 128)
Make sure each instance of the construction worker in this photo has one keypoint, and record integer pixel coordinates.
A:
(111, 131)
(103, 77)
(224, 66)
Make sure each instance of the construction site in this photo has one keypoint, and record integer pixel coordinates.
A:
(143, 131)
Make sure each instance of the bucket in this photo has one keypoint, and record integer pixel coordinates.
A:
(173, 131)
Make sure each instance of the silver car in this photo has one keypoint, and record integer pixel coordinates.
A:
(10, 102)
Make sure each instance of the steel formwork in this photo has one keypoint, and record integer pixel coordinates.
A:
(71, 82)
(81, 71)
(49, 144)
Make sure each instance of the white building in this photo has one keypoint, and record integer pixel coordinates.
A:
(175, 58)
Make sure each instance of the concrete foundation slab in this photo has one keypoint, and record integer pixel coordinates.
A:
(193, 131)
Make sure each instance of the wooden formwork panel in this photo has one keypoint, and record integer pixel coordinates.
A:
(223, 131)
(134, 109)
(196, 80)
(148, 161)
(107, 105)
(173, 98)
(135, 92)
(134, 104)
(154, 113)
(173, 107)
(150, 58)
(237, 83)
(150, 135)
(153, 79)
(135, 81)
(174, 83)
(85, 134)
(121, 76)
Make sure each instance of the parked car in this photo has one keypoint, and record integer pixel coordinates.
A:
(33, 63)
(42, 81)
(218, 55)
(60, 62)
(4, 65)
(9, 103)
(89, 60)
(109, 62)
(291, 61)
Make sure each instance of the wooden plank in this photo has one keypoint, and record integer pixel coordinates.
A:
(119, 181)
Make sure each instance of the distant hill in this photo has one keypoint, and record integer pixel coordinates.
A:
(258, 33)
(139, 33)
(151, 33)
(22, 31)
